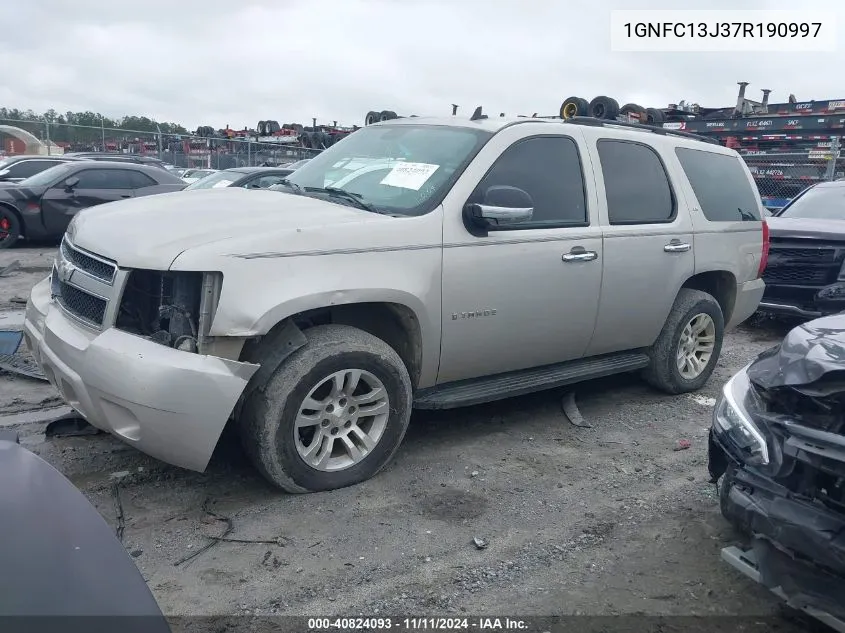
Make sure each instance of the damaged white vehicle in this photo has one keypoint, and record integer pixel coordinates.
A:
(430, 263)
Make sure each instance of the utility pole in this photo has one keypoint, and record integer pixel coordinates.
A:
(103, 132)
(158, 127)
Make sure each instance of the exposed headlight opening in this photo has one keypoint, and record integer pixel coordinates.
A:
(174, 309)
(731, 418)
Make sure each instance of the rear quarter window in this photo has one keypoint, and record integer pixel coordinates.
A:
(721, 185)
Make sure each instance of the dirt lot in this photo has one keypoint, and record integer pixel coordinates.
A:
(607, 520)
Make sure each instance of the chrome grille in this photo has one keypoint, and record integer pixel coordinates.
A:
(94, 266)
(84, 285)
(80, 303)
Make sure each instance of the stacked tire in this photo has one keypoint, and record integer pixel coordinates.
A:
(607, 108)
(205, 131)
(267, 128)
(374, 116)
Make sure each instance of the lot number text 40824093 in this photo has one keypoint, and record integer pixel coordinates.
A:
(415, 624)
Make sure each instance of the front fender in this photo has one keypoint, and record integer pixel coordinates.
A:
(330, 298)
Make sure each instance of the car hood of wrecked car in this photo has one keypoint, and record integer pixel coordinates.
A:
(152, 231)
(811, 355)
(59, 557)
(803, 228)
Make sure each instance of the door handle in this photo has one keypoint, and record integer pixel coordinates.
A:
(676, 247)
(580, 256)
(126, 195)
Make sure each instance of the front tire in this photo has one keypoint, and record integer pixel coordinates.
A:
(332, 415)
(688, 347)
(10, 228)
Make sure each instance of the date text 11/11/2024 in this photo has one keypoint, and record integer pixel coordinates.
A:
(316, 625)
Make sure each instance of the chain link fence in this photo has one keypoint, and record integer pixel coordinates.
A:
(782, 175)
(181, 150)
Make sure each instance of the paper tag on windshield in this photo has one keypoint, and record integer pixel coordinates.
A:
(409, 175)
(222, 183)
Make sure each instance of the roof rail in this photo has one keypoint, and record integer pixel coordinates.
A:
(593, 122)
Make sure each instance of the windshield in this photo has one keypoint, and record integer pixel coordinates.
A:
(821, 203)
(46, 177)
(209, 180)
(402, 169)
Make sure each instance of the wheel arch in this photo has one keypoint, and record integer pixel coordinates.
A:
(720, 284)
(389, 318)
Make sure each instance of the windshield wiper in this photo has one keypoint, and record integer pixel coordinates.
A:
(355, 198)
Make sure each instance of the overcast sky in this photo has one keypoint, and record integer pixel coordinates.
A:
(213, 62)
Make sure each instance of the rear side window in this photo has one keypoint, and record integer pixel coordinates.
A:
(721, 185)
(636, 184)
(27, 168)
(139, 180)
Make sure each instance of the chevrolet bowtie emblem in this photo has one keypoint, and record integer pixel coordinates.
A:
(65, 269)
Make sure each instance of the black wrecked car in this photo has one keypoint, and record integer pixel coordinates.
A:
(63, 568)
(805, 273)
(41, 207)
(777, 448)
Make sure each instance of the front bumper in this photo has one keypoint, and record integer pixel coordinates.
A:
(797, 546)
(170, 404)
(807, 303)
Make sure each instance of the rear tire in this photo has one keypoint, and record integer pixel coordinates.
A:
(10, 228)
(680, 341)
(278, 446)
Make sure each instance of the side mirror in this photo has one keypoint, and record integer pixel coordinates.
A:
(502, 206)
(4, 172)
(71, 182)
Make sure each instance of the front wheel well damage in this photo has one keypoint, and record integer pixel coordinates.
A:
(395, 324)
(720, 284)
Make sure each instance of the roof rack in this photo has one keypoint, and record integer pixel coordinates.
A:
(590, 121)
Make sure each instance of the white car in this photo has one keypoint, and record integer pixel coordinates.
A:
(192, 175)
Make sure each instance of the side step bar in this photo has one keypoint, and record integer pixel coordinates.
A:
(490, 388)
(746, 562)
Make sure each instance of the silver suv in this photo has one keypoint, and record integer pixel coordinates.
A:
(429, 263)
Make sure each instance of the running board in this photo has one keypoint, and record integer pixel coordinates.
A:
(465, 393)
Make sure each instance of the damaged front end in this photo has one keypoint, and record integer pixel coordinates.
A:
(174, 309)
(778, 445)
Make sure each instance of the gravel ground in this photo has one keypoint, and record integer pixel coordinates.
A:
(599, 521)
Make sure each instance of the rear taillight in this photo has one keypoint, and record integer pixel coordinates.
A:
(764, 256)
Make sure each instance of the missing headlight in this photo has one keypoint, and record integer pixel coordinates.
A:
(163, 307)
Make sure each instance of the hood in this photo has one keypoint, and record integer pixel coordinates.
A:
(832, 230)
(151, 231)
(811, 358)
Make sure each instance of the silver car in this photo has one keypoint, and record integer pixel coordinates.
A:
(429, 263)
